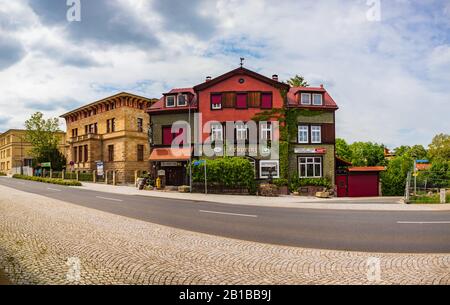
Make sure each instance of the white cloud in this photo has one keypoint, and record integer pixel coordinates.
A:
(380, 73)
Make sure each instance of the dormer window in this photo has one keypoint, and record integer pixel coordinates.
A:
(305, 98)
(182, 100)
(170, 101)
(317, 100)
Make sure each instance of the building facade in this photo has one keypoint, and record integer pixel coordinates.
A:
(110, 134)
(312, 149)
(15, 152)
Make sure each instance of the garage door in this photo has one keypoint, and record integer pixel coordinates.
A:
(363, 185)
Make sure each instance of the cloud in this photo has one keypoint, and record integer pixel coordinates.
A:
(11, 51)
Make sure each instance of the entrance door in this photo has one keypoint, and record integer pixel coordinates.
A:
(174, 176)
(342, 185)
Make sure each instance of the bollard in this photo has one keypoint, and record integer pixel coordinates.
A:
(51, 173)
(106, 177)
(135, 177)
(63, 174)
(94, 176)
(114, 178)
(442, 195)
(77, 176)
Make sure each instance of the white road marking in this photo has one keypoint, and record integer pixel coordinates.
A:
(56, 190)
(423, 222)
(224, 213)
(106, 198)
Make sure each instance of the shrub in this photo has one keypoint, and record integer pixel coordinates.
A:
(2, 174)
(48, 180)
(393, 180)
(268, 190)
(280, 182)
(297, 182)
(232, 172)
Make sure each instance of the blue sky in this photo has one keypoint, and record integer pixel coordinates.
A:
(390, 76)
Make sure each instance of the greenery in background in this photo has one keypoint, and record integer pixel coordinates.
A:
(298, 81)
(280, 182)
(439, 149)
(2, 174)
(360, 153)
(227, 171)
(42, 134)
(416, 152)
(393, 180)
(435, 198)
(438, 176)
(48, 180)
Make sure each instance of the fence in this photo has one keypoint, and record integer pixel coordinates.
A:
(426, 186)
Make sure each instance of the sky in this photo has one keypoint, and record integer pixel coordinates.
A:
(385, 62)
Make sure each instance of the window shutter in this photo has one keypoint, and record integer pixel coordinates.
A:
(241, 100)
(328, 134)
(266, 101)
(229, 99)
(254, 99)
(216, 99)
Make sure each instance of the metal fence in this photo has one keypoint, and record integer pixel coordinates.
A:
(427, 186)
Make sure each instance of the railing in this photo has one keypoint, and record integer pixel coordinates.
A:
(85, 137)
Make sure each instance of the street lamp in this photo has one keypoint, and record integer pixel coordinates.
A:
(190, 146)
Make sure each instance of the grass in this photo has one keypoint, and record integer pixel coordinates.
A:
(49, 180)
(435, 198)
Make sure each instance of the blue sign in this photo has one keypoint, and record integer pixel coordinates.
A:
(422, 161)
(199, 162)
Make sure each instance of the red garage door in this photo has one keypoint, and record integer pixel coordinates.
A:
(363, 184)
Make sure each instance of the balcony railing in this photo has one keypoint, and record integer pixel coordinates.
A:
(89, 136)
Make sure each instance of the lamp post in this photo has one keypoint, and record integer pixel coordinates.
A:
(190, 146)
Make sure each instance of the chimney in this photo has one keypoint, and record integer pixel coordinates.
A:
(275, 77)
(321, 86)
(208, 78)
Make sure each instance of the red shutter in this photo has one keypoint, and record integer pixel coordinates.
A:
(266, 100)
(241, 100)
(216, 99)
(167, 136)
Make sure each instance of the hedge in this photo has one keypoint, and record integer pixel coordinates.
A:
(297, 182)
(2, 174)
(48, 180)
(231, 172)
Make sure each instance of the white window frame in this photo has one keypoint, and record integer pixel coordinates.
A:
(302, 129)
(261, 165)
(174, 101)
(266, 132)
(316, 132)
(241, 129)
(216, 129)
(185, 100)
(216, 106)
(313, 99)
(302, 100)
(307, 161)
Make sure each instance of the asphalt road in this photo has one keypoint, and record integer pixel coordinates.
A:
(371, 231)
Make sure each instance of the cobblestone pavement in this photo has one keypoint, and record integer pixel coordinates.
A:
(42, 241)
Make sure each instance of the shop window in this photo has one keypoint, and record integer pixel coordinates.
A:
(267, 167)
(310, 167)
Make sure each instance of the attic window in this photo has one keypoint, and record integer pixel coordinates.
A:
(317, 100)
(170, 101)
(241, 81)
(305, 99)
(182, 100)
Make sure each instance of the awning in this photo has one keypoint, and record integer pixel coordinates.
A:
(170, 154)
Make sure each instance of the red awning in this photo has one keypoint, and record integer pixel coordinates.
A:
(367, 169)
(170, 154)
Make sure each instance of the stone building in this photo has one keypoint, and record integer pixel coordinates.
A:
(109, 134)
(15, 156)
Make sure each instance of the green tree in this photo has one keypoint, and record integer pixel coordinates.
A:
(43, 136)
(439, 174)
(343, 150)
(393, 180)
(440, 147)
(298, 81)
(416, 151)
(367, 154)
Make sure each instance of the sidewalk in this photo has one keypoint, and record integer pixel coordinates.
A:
(372, 203)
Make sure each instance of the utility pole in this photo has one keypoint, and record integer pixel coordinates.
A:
(190, 147)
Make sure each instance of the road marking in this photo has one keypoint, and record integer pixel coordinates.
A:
(224, 213)
(423, 222)
(56, 190)
(106, 198)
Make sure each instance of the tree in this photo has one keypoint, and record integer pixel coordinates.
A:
(298, 81)
(343, 150)
(393, 180)
(440, 147)
(367, 154)
(44, 138)
(415, 152)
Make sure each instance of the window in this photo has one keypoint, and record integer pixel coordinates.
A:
(110, 125)
(80, 154)
(140, 152)
(267, 167)
(75, 154)
(310, 167)
(306, 99)
(216, 101)
(86, 153)
(170, 101)
(303, 134)
(74, 132)
(266, 101)
(182, 100)
(241, 132)
(316, 132)
(216, 132)
(241, 100)
(317, 99)
(140, 125)
(266, 131)
(110, 153)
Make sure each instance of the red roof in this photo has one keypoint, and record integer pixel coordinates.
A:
(367, 169)
(180, 90)
(159, 105)
(292, 98)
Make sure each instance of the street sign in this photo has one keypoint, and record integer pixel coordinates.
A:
(46, 164)
(199, 162)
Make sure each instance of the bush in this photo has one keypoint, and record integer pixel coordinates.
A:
(393, 180)
(268, 190)
(297, 182)
(231, 172)
(2, 174)
(280, 182)
(48, 180)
